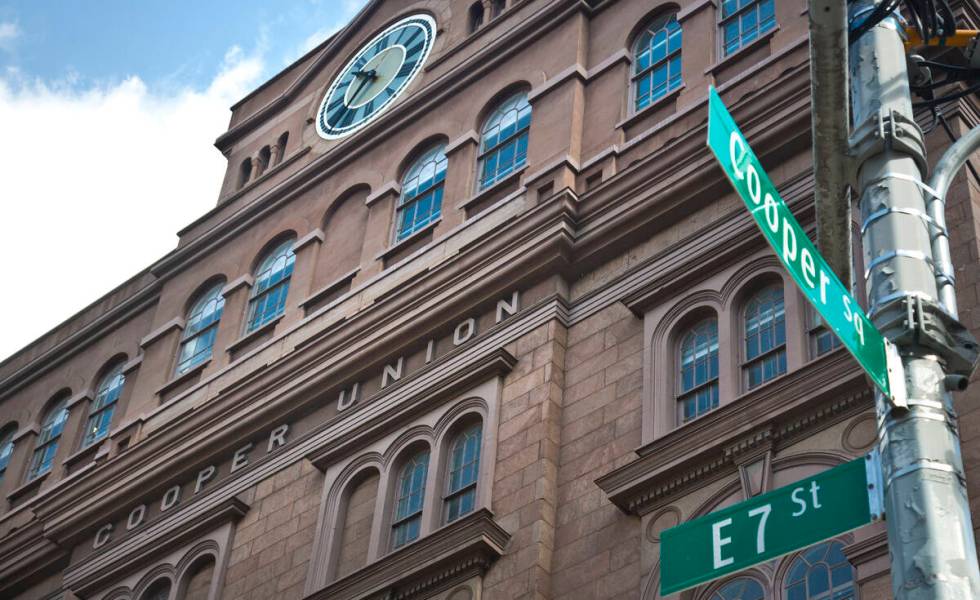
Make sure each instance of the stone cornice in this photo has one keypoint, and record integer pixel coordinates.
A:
(27, 554)
(448, 556)
(818, 395)
(112, 561)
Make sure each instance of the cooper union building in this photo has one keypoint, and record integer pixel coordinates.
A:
(474, 315)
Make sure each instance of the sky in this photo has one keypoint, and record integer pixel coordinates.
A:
(108, 115)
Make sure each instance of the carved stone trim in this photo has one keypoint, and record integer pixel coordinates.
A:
(693, 455)
(118, 557)
(175, 323)
(445, 558)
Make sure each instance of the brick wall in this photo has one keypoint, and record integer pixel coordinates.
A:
(272, 544)
(357, 526)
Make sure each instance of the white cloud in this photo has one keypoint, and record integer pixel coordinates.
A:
(8, 33)
(97, 181)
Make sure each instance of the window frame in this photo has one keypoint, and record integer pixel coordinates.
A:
(45, 439)
(436, 155)
(680, 394)
(449, 494)
(525, 131)
(661, 22)
(7, 444)
(282, 249)
(747, 362)
(715, 592)
(789, 564)
(723, 20)
(398, 521)
(100, 405)
(201, 301)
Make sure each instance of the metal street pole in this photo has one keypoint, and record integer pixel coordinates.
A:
(930, 533)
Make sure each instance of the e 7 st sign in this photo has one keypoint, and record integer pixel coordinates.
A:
(811, 272)
(770, 525)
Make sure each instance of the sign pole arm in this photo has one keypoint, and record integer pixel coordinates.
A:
(930, 533)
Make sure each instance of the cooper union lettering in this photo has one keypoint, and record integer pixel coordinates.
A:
(477, 314)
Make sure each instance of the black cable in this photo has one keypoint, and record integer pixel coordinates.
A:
(973, 89)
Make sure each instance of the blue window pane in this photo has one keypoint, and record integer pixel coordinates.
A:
(501, 135)
(767, 15)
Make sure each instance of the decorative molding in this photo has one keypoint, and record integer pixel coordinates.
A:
(414, 237)
(246, 281)
(693, 8)
(32, 429)
(650, 109)
(512, 179)
(392, 188)
(575, 71)
(470, 137)
(25, 554)
(132, 364)
(183, 377)
(27, 488)
(253, 335)
(565, 161)
(774, 415)
(444, 558)
(81, 396)
(620, 56)
(314, 236)
(330, 288)
(156, 539)
(177, 323)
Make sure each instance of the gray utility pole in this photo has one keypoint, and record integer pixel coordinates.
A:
(930, 534)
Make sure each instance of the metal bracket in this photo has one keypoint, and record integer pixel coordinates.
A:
(888, 129)
(916, 320)
(876, 487)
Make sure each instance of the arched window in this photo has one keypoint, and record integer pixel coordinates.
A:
(743, 21)
(656, 61)
(406, 523)
(765, 336)
(265, 159)
(497, 7)
(503, 145)
(244, 172)
(743, 588)
(271, 285)
(160, 590)
(47, 440)
(6, 448)
(104, 404)
(463, 472)
(421, 199)
(201, 329)
(698, 364)
(476, 16)
(821, 573)
(281, 146)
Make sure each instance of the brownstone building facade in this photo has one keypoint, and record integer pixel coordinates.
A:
(475, 316)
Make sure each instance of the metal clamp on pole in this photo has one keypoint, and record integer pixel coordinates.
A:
(888, 129)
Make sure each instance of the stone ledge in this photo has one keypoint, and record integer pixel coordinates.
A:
(446, 557)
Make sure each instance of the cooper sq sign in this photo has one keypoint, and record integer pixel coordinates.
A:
(839, 309)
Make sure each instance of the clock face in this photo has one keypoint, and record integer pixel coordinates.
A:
(377, 74)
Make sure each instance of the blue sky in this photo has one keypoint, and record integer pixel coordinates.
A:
(114, 106)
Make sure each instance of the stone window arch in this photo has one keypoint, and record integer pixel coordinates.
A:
(279, 150)
(158, 590)
(197, 578)
(504, 140)
(475, 16)
(272, 276)
(244, 172)
(462, 469)
(739, 588)
(355, 519)
(656, 60)
(201, 328)
(103, 405)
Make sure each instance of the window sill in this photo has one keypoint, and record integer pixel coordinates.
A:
(741, 52)
(449, 555)
(28, 488)
(650, 109)
(483, 194)
(318, 297)
(183, 377)
(411, 239)
(251, 336)
(90, 452)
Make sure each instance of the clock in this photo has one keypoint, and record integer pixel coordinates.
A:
(379, 72)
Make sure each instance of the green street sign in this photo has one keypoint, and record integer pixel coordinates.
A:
(770, 525)
(820, 285)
